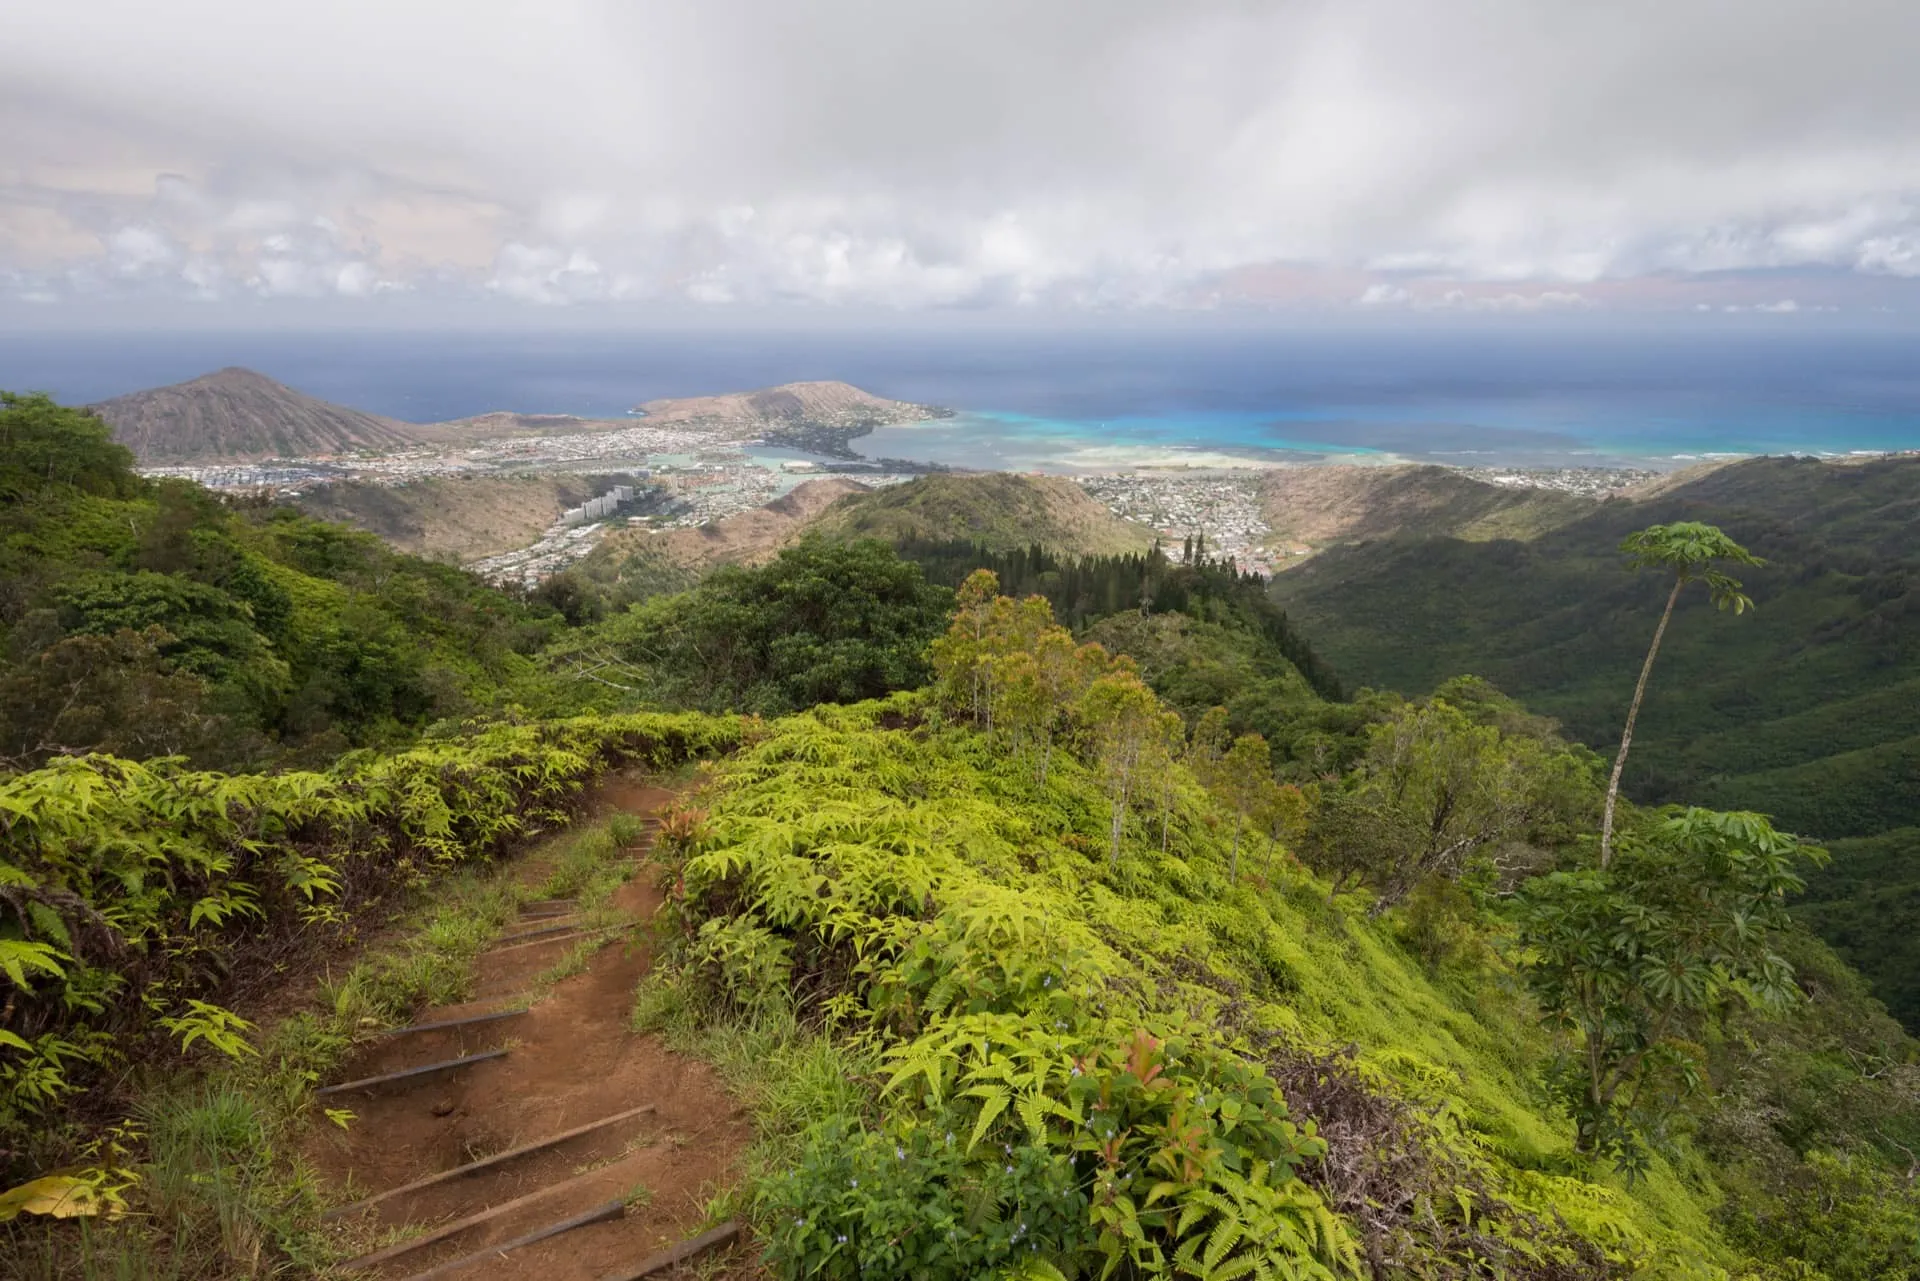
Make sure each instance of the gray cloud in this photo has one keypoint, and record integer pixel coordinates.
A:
(997, 152)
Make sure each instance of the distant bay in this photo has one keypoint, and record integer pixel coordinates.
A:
(1087, 399)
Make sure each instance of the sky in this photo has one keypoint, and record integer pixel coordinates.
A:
(208, 161)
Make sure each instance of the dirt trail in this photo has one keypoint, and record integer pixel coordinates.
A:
(673, 1139)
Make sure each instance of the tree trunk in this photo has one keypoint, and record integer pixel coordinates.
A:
(1166, 809)
(1633, 712)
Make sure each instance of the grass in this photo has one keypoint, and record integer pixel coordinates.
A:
(222, 1190)
(787, 1076)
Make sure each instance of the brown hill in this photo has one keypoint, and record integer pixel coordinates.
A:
(504, 424)
(237, 415)
(1317, 506)
(820, 417)
(810, 403)
(746, 538)
(459, 518)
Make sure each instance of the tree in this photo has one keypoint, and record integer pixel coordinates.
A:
(1171, 748)
(1631, 959)
(1283, 815)
(1124, 720)
(1689, 551)
(821, 623)
(1211, 739)
(1036, 685)
(987, 628)
(114, 693)
(1246, 777)
(1433, 791)
(48, 447)
(569, 596)
(960, 656)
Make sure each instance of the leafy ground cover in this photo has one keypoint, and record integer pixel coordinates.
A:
(208, 1168)
(1179, 1056)
(1108, 1045)
(132, 896)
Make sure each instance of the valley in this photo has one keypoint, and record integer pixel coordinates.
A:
(1802, 710)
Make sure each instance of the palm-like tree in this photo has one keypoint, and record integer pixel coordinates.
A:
(1691, 552)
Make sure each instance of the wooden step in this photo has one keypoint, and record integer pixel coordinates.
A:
(599, 1214)
(550, 939)
(444, 1025)
(409, 1074)
(458, 1226)
(654, 1264)
(563, 923)
(487, 1162)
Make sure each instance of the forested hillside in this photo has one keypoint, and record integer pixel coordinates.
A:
(155, 619)
(1086, 902)
(1807, 709)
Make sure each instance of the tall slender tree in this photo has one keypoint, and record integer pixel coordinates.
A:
(1246, 776)
(1691, 552)
(1126, 725)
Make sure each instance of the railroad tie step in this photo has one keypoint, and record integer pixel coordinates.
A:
(442, 1025)
(487, 1162)
(599, 1214)
(713, 1238)
(551, 938)
(408, 1074)
(561, 923)
(548, 906)
(448, 1231)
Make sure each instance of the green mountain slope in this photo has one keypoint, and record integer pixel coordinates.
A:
(1319, 506)
(1018, 975)
(1806, 709)
(1021, 960)
(153, 619)
(999, 510)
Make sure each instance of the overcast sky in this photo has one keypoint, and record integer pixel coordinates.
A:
(1530, 156)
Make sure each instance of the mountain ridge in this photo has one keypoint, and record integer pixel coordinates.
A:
(241, 415)
(238, 415)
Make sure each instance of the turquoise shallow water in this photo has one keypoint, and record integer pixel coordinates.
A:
(1486, 434)
(1089, 398)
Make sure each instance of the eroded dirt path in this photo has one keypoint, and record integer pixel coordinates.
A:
(646, 1136)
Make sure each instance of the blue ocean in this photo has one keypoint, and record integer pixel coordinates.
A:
(1091, 399)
